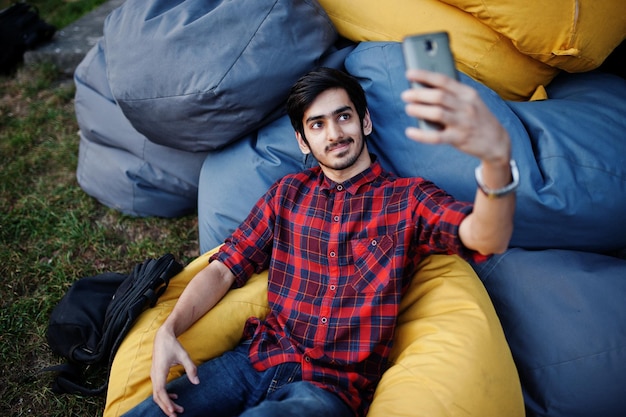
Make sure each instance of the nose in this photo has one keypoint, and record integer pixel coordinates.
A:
(334, 131)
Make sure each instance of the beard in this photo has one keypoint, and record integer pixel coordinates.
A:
(345, 159)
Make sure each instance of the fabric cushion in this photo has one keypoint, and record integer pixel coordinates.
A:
(573, 35)
(451, 357)
(480, 52)
(197, 75)
(118, 165)
(570, 158)
(233, 178)
(564, 317)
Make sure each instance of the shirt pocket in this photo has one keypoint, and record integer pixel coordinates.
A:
(373, 263)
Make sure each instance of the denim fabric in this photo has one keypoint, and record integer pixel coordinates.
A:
(230, 386)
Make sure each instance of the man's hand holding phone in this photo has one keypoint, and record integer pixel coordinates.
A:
(448, 111)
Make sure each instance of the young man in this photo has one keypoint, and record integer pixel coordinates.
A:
(341, 243)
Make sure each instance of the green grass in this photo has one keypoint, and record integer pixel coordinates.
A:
(52, 233)
(59, 13)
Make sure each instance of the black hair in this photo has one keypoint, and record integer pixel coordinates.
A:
(311, 85)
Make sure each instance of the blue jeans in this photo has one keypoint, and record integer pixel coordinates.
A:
(230, 386)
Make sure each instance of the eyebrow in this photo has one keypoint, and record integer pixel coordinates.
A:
(340, 110)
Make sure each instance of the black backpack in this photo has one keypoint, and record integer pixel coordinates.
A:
(21, 29)
(93, 317)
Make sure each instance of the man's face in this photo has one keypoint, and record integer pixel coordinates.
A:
(335, 136)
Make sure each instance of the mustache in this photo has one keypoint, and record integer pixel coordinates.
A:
(338, 143)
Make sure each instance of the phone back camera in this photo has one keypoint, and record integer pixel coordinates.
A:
(431, 46)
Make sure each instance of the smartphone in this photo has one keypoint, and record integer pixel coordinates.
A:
(429, 52)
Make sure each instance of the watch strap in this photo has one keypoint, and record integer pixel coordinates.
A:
(498, 192)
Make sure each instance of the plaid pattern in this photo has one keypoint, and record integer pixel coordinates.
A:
(339, 258)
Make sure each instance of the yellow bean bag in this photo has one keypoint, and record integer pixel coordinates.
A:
(450, 357)
(479, 51)
(573, 35)
(514, 47)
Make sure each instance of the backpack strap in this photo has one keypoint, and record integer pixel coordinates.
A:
(138, 291)
(69, 379)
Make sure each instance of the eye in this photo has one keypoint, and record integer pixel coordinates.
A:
(316, 125)
(344, 116)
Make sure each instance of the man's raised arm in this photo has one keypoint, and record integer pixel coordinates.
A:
(469, 126)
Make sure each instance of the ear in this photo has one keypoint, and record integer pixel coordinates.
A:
(304, 147)
(367, 123)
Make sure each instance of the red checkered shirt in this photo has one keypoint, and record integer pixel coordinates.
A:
(339, 258)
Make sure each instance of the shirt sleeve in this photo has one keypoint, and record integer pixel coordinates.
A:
(439, 216)
(248, 249)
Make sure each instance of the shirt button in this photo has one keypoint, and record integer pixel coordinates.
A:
(333, 287)
(339, 187)
(336, 218)
(307, 359)
(324, 320)
(332, 254)
(374, 242)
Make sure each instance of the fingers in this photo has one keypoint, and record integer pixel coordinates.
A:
(168, 352)
(165, 403)
(467, 123)
(429, 78)
(165, 399)
(161, 396)
(432, 137)
(436, 103)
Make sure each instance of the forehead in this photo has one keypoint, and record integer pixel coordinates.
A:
(327, 103)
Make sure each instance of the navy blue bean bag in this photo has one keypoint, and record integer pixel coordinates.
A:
(571, 150)
(564, 317)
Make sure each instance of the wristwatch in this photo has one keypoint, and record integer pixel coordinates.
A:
(498, 192)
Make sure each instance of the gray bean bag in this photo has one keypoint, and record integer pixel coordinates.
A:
(199, 74)
(173, 79)
(118, 165)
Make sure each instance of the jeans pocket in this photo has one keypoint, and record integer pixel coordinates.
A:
(284, 374)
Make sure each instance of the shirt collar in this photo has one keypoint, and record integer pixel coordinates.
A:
(353, 184)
